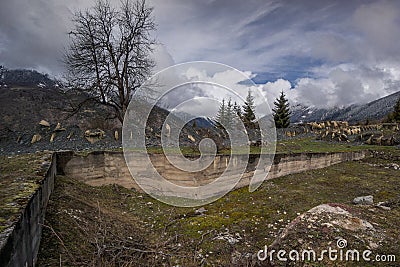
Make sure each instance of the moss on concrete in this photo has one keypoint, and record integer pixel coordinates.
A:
(20, 177)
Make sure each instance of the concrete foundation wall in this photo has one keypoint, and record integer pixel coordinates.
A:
(22, 242)
(100, 168)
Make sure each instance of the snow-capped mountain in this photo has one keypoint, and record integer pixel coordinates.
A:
(375, 110)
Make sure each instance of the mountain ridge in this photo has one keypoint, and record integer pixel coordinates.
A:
(357, 113)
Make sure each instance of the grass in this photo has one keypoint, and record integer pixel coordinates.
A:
(295, 145)
(156, 234)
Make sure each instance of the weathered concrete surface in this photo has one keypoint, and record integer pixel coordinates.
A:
(100, 168)
(22, 241)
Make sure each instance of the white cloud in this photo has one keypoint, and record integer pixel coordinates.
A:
(340, 86)
(350, 50)
(162, 58)
(378, 23)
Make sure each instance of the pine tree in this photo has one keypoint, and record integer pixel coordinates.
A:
(248, 116)
(221, 115)
(226, 114)
(237, 110)
(281, 112)
(230, 113)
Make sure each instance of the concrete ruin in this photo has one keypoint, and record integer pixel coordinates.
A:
(19, 244)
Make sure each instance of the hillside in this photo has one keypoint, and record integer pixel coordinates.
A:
(28, 97)
(375, 110)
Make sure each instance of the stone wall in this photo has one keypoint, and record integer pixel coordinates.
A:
(100, 168)
(22, 242)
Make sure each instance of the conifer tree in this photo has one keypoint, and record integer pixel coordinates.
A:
(226, 114)
(248, 116)
(281, 112)
(230, 113)
(220, 119)
(237, 110)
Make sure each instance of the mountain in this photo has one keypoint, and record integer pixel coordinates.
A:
(375, 110)
(22, 77)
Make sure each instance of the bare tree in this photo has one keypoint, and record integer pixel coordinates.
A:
(110, 52)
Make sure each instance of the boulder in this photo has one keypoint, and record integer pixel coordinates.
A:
(167, 130)
(36, 138)
(53, 135)
(364, 200)
(116, 135)
(332, 225)
(44, 123)
(191, 138)
(59, 128)
(94, 135)
(200, 211)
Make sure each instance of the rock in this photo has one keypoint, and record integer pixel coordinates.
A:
(44, 123)
(70, 135)
(36, 138)
(58, 128)
(94, 136)
(168, 130)
(364, 200)
(319, 228)
(328, 209)
(200, 211)
(383, 206)
(231, 238)
(53, 135)
(116, 135)
(394, 166)
(191, 138)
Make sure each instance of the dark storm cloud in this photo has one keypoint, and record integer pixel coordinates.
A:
(33, 34)
(322, 47)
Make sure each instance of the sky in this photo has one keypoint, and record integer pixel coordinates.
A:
(321, 53)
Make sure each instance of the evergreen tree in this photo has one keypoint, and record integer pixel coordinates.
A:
(221, 115)
(237, 110)
(226, 114)
(248, 116)
(281, 112)
(230, 113)
(237, 115)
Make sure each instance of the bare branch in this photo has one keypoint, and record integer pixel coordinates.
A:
(109, 54)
